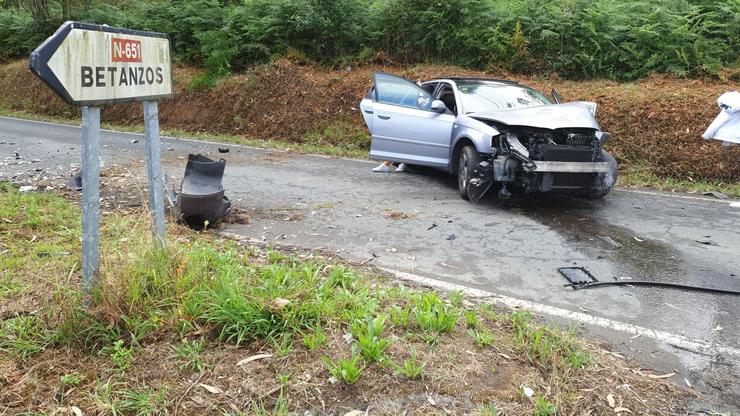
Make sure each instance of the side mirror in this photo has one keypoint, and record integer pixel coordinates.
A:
(438, 106)
(555, 96)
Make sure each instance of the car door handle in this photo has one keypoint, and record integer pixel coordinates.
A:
(369, 111)
(384, 117)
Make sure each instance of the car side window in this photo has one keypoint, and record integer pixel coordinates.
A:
(398, 91)
(430, 87)
(447, 95)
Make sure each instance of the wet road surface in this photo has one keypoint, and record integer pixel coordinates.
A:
(416, 223)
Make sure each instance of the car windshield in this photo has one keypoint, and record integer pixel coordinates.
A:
(493, 96)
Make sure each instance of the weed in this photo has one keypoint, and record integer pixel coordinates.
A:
(283, 344)
(191, 352)
(456, 298)
(549, 348)
(411, 367)
(482, 338)
(471, 319)
(486, 311)
(345, 370)
(281, 408)
(275, 256)
(368, 334)
(315, 339)
(121, 356)
(400, 316)
(284, 379)
(542, 407)
(579, 359)
(72, 379)
(488, 409)
(24, 335)
(432, 314)
(341, 277)
(141, 401)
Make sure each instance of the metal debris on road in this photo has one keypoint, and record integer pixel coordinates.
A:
(577, 275)
(716, 194)
(201, 199)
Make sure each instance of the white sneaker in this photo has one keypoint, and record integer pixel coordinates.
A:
(382, 168)
(401, 168)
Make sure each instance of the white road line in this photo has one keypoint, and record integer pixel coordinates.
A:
(667, 195)
(680, 341)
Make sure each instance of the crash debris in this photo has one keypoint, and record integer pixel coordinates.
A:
(201, 200)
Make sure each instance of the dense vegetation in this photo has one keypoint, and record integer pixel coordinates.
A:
(576, 38)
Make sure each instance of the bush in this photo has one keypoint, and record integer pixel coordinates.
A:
(576, 38)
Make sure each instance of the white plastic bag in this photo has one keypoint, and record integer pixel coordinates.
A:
(726, 126)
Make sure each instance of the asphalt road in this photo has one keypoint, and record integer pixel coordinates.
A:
(511, 248)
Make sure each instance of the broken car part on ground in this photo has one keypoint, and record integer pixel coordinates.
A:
(201, 199)
(490, 132)
(581, 278)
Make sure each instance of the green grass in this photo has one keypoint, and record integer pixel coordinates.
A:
(433, 315)
(411, 367)
(191, 353)
(548, 348)
(24, 335)
(640, 176)
(346, 370)
(482, 338)
(368, 334)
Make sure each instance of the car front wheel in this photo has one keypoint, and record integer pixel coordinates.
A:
(467, 161)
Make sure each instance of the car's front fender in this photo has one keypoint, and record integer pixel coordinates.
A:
(466, 129)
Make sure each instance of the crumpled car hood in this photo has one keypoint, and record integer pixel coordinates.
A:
(555, 116)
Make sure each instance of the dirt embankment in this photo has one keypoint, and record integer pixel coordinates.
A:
(656, 123)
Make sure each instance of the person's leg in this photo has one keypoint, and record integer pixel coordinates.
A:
(383, 167)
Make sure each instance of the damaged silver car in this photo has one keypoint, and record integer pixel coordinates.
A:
(490, 133)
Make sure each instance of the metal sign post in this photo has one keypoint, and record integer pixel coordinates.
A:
(90, 195)
(91, 65)
(154, 168)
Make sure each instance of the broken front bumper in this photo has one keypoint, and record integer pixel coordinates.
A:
(572, 167)
(542, 176)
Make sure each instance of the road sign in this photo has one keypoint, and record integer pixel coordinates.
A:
(88, 64)
(91, 65)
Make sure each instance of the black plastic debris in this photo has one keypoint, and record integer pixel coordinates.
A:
(201, 198)
(74, 182)
(577, 276)
(223, 150)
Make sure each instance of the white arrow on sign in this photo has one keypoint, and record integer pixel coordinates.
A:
(93, 64)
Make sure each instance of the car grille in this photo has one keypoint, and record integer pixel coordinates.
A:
(578, 139)
(566, 153)
(573, 180)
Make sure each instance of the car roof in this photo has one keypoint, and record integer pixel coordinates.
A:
(457, 80)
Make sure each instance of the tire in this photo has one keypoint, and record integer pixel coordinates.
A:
(468, 160)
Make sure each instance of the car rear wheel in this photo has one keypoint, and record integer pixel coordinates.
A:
(467, 161)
